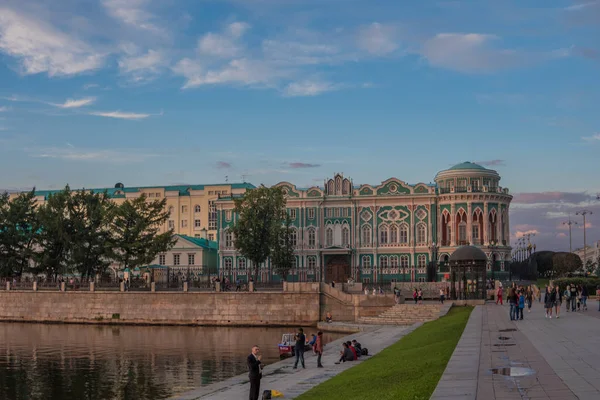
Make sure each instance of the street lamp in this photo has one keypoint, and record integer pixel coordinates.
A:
(433, 247)
(569, 223)
(584, 213)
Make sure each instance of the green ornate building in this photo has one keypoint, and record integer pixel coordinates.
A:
(387, 232)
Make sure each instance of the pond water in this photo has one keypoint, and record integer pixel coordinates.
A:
(41, 361)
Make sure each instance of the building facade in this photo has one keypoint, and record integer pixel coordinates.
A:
(590, 255)
(387, 232)
(192, 208)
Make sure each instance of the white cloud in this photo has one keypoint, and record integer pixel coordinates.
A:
(582, 6)
(90, 86)
(72, 103)
(143, 67)
(133, 13)
(120, 115)
(3, 109)
(377, 39)
(308, 88)
(290, 53)
(240, 71)
(42, 48)
(594, 138)
(92, 155)
(223, 45)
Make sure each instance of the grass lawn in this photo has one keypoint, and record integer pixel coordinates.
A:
(407, 370)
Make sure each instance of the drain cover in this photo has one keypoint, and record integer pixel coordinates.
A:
(508, 330)
(512, 371)
(504, 344)
(503, 338)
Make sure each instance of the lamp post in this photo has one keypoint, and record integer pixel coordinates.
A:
(493, 246)
(433, 247)
(584, 213)
(569, 223)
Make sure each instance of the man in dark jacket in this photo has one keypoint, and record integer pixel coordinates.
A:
(299, 348)
(254, 372)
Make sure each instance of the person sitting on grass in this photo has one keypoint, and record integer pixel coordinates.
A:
(346, 354)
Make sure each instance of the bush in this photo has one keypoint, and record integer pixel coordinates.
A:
(591, 283)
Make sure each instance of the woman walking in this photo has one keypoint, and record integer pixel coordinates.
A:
(513, 302)
(558, 300)
(548, 302)
(529, 298)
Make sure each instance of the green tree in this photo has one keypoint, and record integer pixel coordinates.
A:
(136, 237)
(589, 267)
(18, 232)
(54, 235)
(282, 250)
(90, 232)
(259, 220)
(566, 263)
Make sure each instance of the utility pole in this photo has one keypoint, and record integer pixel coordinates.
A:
(584, 213)
(570, 222)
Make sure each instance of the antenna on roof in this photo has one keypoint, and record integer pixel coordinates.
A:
(244, 178)
(226, 178)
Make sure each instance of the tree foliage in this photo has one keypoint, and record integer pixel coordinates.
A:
(260, 216)
(566, 263)
(136, 226)
(282, 250)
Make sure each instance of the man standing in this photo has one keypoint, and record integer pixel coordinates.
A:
(319, 349)
(299, 349)
(255, 372)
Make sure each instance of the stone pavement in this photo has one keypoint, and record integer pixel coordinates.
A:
(292, 383)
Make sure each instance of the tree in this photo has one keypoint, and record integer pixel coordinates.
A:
(136, 237)
(259, 220)
(282, 250)
(18, 232)
(566, 263)
(90, 232)
(589, 267)
(54, 235)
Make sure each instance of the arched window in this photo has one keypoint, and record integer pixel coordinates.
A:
(383, 234)
(421, 234)
(171, 210)
(338, 185)
(383, 261)
(329, 237)
(345, 236)
(366, 261)
(293, 237)
(330, 187)
(197, 208)
(227, 263)
(393, 234)
(346, 189)
(228, 239)
(421, 261)
(312, 263)
(311, 238)
(404, 262)
(241, 263)
(404, 234)
(366, 235)
(394, 261)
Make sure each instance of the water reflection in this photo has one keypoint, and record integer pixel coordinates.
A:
(40, 361)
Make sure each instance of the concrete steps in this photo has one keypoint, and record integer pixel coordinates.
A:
(405, 314)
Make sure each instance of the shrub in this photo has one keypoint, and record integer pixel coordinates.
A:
(591, 283)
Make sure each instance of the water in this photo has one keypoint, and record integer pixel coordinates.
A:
(39, 361)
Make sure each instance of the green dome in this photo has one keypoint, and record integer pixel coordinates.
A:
(467, 165)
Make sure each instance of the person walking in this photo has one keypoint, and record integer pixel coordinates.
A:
(299, 349)
(255, 367)
(567, 297)
(548, 302)
(319, 348)
(529, 298)
(573, 297)
(584, 297)
(558, 300)
(512, 301)
(442, 295)
(598, 296)
(499, 295)
(420, 296)
(521, 304)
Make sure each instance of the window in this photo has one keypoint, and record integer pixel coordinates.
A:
(212, 215)
(345, 236)
(475, 234)
(383, 234)
(403, 234)
(171, 224)
(422, 279)
(394, 261)
(158, 194)
(197, 208)
(329, 212)
(162, 259)
(292, 213)
(197, 223)
(227, 263)
(151, 194)
(366, 235)
(184, 209)
(241, 263)
(421, 261)
(294, 262)
(228, 239)
(228, 215)
(171, 209)
(293, 238)
(421, 234)
(311, 238)
(404, 262)
(329, 237)
(393, 234)
(366, 262)
(312, 263)
(337, 212)
(383, 261)
(224, 191)
(462, 232)
(176, 259)
(311, 213)
(346, 212)
(191, 259)
(211, 236)
(184, 223)
(211, 192)
(474, 185)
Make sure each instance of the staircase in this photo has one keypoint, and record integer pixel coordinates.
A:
(405, 314)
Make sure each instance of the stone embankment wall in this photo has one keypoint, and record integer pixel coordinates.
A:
(242, 309)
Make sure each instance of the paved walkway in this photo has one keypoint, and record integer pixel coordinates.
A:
(292, 383)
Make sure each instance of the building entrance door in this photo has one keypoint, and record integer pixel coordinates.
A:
(338, 269)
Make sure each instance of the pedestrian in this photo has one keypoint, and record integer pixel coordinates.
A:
(420, 296)
(319, 348)
(415, 295)
(548, 302)
(573, 297)
(299, 349)
(598, 296)
(499, 295)
(255, 367)
(332, 284)
(584, 296)
(529, 298)
(238, 285)
(567, 296)
(521, 304)
(512, 301)
(558, 300)
(442, 295)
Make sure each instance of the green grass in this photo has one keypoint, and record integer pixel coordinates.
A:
(542, 283)
(407, 370)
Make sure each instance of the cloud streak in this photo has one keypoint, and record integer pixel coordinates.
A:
(120, 115)
(72, 103)
(92, 155)
(302, 165)
(223, 165)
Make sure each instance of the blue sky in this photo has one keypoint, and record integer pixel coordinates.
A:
(180, 91)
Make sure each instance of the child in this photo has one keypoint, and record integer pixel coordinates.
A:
(521, 305)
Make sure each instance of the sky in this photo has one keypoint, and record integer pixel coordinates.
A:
(149, 92)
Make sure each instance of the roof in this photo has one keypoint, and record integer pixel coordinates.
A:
(467, 165)
(467, 253)
(182, 189)
(204, 243)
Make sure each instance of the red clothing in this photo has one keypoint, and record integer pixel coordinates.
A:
(319, 344)
(354, 353)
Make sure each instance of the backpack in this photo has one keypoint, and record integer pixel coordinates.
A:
(364, 352)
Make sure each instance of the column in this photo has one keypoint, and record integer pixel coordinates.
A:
(453, 225)
(412, 225)
(499, 223)
(485, 223)
(469, 223)
(430, 236)
(507, 229)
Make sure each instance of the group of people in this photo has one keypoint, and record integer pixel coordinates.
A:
(374, 291)
(575, 297)
(518, 298)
